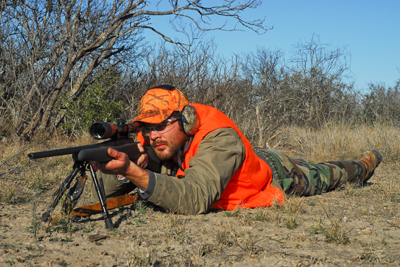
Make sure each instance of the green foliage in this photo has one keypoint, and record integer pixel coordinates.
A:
(67, 239)
(88, 229)
(335, 233)
(291, 223)
(10, 262)
(224, 237)
(94, 104)
(34, 227)
(63, 224)
(369, 255)
(261, 215)
(141, 214)
(233, 213)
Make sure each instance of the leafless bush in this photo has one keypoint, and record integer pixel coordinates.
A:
(53, 55)
(257, 90)
(50, 49)
(382, 104)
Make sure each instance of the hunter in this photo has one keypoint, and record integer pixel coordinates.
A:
(207, 163)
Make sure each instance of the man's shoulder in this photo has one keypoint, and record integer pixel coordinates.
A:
(223, 139)
(222, 133)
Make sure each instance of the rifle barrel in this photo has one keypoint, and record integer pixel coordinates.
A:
(77, 149)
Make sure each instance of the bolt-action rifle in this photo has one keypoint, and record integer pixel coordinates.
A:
(86, 158)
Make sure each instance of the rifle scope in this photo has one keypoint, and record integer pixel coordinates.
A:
(104, 130)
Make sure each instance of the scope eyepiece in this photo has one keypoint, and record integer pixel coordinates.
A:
(102, 130)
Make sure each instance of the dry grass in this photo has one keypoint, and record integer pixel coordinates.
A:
(23, 179)
(364, 222)
(340, 142)
(175, 229)
(331, 142)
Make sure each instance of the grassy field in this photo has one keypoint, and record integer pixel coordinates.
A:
(350, 226)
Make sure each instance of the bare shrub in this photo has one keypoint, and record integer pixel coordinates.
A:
(49, 49)
(381, 104)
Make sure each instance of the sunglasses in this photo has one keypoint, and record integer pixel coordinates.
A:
(160, 128)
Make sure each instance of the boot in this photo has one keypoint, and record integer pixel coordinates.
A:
(371, 159)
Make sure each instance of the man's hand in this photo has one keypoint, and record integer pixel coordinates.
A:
(121, 165)
(143, 160)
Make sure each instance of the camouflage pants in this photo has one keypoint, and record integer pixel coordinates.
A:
(297, 177)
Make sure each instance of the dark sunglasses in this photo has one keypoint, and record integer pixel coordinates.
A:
(158, 128)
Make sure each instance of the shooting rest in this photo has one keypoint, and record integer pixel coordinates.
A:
(76, 191)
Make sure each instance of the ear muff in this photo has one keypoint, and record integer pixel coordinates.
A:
(190, 120)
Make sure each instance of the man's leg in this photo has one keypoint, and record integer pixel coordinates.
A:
(300, 178)
(113, 187)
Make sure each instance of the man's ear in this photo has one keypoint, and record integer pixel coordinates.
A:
(190, 120)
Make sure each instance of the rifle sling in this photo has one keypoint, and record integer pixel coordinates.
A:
(111, 204)
(96, 208)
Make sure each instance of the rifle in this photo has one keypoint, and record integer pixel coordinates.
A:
(85, 158)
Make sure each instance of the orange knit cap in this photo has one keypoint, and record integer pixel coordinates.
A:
(157, 104)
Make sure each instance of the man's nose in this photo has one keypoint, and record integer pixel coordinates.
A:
(154, 134)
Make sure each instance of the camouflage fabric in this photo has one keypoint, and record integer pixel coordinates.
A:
(191, 121)
(158, 103)
(300, 178)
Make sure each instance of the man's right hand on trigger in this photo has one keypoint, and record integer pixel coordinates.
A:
(143, 160)
(122, 165)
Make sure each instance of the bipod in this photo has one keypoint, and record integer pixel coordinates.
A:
(76, 191)
(102, 197)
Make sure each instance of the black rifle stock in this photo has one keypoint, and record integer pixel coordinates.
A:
(84, 155)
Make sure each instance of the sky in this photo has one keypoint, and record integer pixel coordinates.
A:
(369, 30)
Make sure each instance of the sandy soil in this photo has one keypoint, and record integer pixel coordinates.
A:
(348, 227)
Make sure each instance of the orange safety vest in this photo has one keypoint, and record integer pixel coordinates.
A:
(250, 186)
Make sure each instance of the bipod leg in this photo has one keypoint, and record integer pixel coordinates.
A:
(60, 191)
(75, 192)
(101, 195)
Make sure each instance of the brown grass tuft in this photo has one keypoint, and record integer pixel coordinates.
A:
(340, 142)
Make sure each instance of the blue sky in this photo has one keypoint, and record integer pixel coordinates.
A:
(368, 29)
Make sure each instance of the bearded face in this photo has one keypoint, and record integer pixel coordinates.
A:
(166, 144)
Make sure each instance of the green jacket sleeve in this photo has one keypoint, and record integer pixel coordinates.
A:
(218, 157)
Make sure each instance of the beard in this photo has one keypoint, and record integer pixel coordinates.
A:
(169, 151)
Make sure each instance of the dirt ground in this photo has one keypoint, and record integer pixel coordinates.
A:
(348, 227)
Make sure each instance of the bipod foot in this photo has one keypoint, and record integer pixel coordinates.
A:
(45, 217)
(109, 223)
